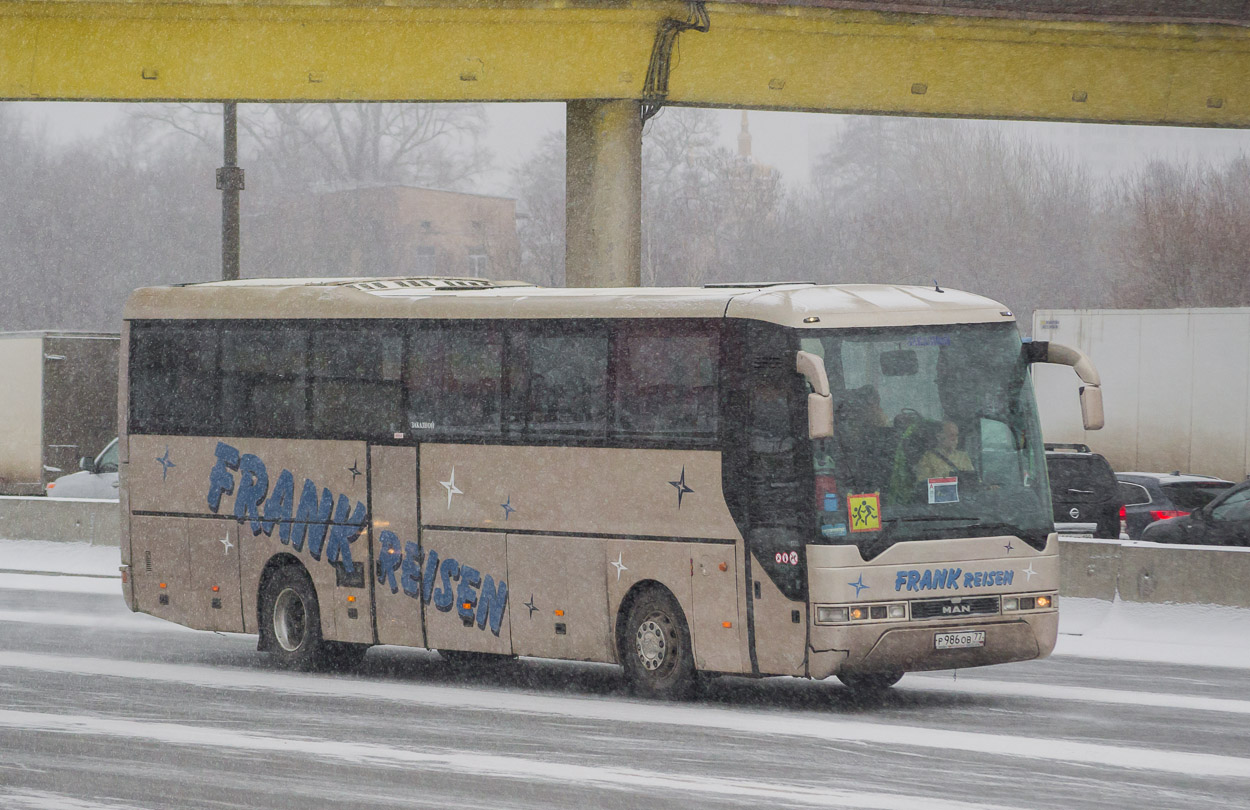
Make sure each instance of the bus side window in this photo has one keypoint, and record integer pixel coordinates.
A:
(566, 384)
(173, 388)
(666, 383)
(454, 380)
(264, 379)
(356, 381)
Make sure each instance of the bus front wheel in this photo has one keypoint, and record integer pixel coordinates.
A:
(869, 682)
(655, 647)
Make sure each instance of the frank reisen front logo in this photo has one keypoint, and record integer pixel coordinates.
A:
(949, 579)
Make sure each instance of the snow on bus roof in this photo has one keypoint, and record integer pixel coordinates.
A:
(801, 305)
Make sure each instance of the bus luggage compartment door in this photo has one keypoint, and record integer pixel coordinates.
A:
(466, 575)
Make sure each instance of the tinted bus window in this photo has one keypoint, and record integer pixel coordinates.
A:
(454, 381)
(173, 378)
(566, 385)
(264, 385)
(666, 384)
(357, 381)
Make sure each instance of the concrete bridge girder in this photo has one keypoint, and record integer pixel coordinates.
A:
(799, 56)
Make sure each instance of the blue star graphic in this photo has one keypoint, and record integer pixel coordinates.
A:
(680, 484)
(1008, 546)
(508, 508)
(355, 471)
(858, 585)
(165, 464)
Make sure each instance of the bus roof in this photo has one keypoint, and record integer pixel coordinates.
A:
(798, 305)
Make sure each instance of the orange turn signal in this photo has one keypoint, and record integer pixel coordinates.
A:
(559, 612)
(216, 589)
(1043, 601)
(726, 624)
(351, 599)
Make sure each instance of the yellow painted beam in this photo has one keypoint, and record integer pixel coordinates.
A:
(767, 57)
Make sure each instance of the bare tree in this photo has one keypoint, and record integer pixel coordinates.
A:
(1185, 240)
(538, 183)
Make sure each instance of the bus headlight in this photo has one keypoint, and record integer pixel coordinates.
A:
(898, 611)
(832, 615)
(1010, 603)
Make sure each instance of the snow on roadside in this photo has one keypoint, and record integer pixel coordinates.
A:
(1201, 635)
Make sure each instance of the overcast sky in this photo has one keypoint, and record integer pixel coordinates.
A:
(786, 141)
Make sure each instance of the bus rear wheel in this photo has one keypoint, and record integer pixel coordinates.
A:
(291, 618)
(655, 647)
(869, 683)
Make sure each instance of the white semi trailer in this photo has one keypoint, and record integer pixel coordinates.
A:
(1176, 387)
(58, 403)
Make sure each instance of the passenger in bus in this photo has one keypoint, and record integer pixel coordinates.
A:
(944, 459)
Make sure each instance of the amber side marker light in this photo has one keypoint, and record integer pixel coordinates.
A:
(351, 599)
(726, 624)
(162, 584)
(467, 605)
(216, 589)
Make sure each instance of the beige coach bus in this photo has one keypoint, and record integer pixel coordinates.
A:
(755, 480)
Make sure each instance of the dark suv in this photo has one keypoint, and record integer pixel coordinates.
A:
(1149, 497)
(1083, 489)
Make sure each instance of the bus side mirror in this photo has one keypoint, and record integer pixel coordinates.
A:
(819, 416)
(819, 402)
(1091, 407)
(1041, 351)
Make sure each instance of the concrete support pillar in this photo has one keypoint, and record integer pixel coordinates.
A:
(603, 197)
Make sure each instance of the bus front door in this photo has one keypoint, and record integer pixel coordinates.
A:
(396, 520)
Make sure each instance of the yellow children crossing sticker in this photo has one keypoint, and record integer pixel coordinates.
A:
(865, 512)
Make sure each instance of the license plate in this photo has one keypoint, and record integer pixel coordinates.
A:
(958, 641)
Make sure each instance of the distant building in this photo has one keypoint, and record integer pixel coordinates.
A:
(385, 230)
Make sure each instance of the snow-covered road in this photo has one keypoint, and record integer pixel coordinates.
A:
(101, 709)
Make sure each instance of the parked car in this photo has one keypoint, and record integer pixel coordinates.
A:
(96, 479)
(1149, 497)
(1225, 521)
(1084, 492)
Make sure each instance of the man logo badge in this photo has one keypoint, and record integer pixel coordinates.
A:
(955, 610)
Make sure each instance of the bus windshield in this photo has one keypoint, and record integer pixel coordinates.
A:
(936, 435)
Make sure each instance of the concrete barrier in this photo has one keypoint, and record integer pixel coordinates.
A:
(1089, 568)
(60, 519)
(1155, 572)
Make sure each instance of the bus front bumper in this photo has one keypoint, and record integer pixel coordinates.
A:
(910, 646)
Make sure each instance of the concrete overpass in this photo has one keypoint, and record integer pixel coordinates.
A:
(1183, 62)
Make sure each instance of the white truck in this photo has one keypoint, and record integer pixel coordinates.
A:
(58, 404)
(1176, 387)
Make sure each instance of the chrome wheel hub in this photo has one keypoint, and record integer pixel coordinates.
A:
(652, 645)
(290, 620)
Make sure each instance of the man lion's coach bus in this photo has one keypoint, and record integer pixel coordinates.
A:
(755, 480)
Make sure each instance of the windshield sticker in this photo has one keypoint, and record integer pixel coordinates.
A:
(943, 490)
(930, 340)
(831, 502)
(833, 530)
(865, 511)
